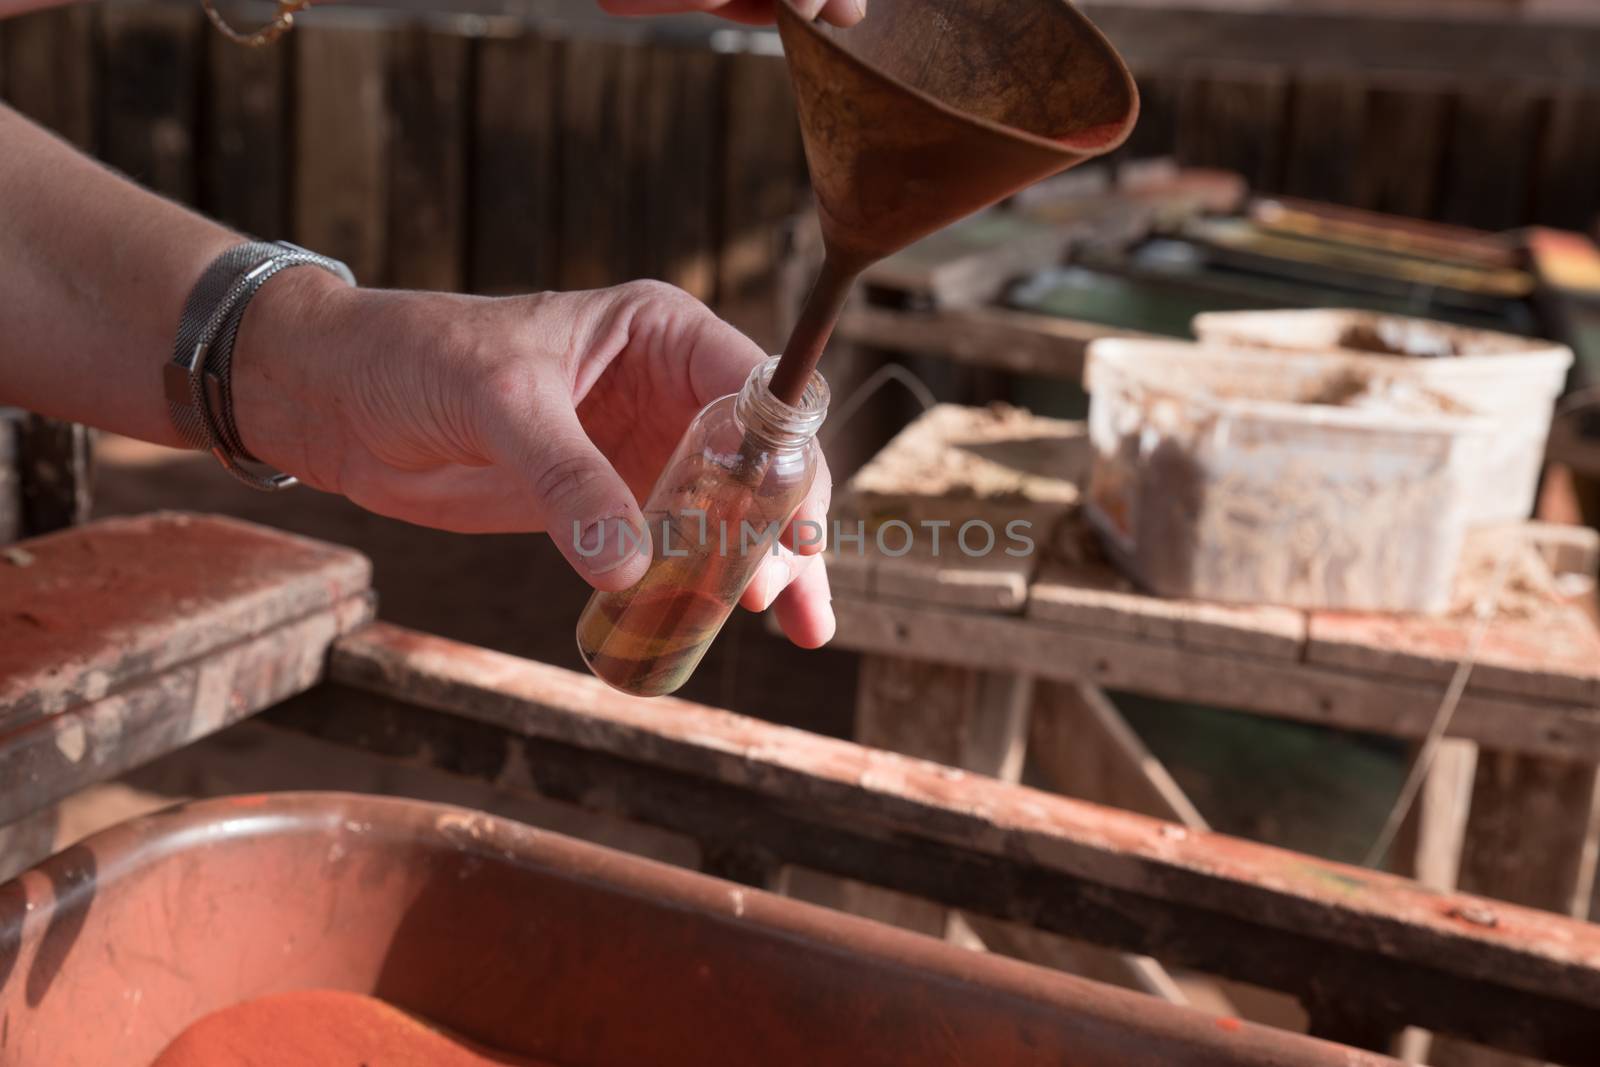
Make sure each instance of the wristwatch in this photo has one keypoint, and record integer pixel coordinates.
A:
(198, 380)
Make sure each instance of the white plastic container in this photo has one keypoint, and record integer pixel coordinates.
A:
(1277, 478)
(1514, 380)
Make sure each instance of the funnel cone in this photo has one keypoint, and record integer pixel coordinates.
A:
(929, 110)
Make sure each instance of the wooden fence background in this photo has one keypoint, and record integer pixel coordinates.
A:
(491, 155)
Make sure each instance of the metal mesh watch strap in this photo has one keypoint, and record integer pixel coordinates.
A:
(198, 380)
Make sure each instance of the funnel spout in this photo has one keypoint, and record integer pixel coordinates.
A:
(811, 331)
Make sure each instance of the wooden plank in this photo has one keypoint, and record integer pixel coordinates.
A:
(10, 475)
(1525, 979)
(1427, 38)
(1233, 118)
(515, 236)
(150, 100)
(49, 75)
(341, 174)
(104, 605)
(1327, 119)
(763, 185)
(1339, 697)
(244, 168)
(1530, 839)
(55, 474)
(1488, 172)
(1014, 341)
(682, 101)
(1567, 183)
(1156, 134)
(154, 714)
(972, 261)
(428, 83)
(1399, 165)
(1094, 595)
(600, 151)
(1081, 746)
(1553, 654)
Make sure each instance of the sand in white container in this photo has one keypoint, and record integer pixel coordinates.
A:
(1514, 380)
(1279, 477)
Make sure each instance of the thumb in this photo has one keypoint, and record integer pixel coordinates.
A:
(579, 498)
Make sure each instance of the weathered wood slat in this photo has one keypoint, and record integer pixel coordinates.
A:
(678, 179)
(55, 474)
(515, 179)
(108, 605)
(48, 62)
(341, 175)
(152, 714)
(1567, 185)
(1329, 696)
(1398, 167)
(428, 86)
(1233, 118)
(1015, 341)
(600, 134)
(762, 183)
(245, 168)
(1488, 172)
(1496, 45)
(1328, 110)
(150, 103)
(1527, 980)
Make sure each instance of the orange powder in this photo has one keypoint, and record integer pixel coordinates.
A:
(323, 1028)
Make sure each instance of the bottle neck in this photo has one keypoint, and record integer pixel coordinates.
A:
(779, 426)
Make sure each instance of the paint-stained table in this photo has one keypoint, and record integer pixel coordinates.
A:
(982, 662)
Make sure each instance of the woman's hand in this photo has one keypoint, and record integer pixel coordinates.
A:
(549, 413)
(756, 12)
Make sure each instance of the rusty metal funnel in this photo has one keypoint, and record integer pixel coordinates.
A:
(929, 110)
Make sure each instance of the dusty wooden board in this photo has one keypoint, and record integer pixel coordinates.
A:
(973, 260)
(1338, 697)
(145, 715)
(55, 473)
(515, 240)
(997, 337)
(959, 508)
(98, 607)
(1402, 953)
(1094, 595)
(428, 96)
(341, 177)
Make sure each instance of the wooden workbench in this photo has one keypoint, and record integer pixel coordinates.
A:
(123, 639)
(978, 663)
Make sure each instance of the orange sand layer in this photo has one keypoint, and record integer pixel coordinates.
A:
(323, 1028)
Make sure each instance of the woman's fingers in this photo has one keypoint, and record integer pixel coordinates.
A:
(805, 609)
(796, 587)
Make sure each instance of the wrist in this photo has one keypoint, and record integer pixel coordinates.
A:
(286, 368)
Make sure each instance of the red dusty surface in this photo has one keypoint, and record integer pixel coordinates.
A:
(86, 609)
(535, 944)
